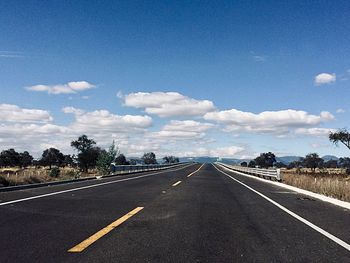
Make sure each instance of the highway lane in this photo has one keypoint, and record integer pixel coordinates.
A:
(45, 228)
(207, 217)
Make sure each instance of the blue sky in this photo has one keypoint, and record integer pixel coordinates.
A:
(233, 70)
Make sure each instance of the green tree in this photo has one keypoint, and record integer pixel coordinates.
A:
(10, 158)
(106, 158)
(68, 160)
(51, 157)
(170, 159)
(342, 136)
(121, 160)
(149, 158)
(265, 160)
(25, 159)
(313, 161)
(252, 164)
(244, 164)
(87, 153)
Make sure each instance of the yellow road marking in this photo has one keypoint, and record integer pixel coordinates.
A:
(195, 171)
(87, 242)
(179, 182)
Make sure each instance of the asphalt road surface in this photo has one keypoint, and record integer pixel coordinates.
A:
(193, 213)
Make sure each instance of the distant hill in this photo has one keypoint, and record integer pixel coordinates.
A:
(287, 159)
(207, 159)
(330, 157)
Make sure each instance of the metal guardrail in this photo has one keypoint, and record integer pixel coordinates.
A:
(270, 173)
(120, 169)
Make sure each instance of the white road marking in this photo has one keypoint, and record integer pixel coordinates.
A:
(86, 187)
(301, 219)
(195, 171)
(321, 197)
(177, 183)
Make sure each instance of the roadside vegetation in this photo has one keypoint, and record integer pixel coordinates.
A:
(17, 168)
(330, 178)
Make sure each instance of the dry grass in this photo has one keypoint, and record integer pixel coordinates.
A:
(330, 183)
(18, 176)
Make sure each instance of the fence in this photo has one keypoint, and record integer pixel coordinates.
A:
(269, 173)
(120, 169)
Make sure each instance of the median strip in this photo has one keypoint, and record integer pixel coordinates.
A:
(87, 242)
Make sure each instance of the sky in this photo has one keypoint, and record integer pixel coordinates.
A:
(185, 78)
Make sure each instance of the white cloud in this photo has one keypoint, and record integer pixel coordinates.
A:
(228, 152)
(321, 132)
(166, 104)
(259, 58)
(70, 87)
(340, 111)
(13, 113)
(103, 120)
(182, 130)
(11, 54)
(324, 78)
(267, 122)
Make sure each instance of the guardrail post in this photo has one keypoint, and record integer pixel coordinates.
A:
(279, 177)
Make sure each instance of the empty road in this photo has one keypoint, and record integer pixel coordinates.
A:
(194, 213)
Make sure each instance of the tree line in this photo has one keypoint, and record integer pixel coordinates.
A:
(311, 160)
(88, 156)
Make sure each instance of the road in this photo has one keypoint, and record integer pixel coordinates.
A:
(195, 213)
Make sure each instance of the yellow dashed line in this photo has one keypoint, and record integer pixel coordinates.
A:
(87, 242)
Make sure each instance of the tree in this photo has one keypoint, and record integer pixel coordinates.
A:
(252, 164)
(342, 136)
(25, 159)
(331, 164)
(344, 162)
(121, 160)
(265, 160)
(10, 158)
(68, 160)
(171, 159)
(51, 157)
(106, 158)
(87, 153)
(280, 165)
(244, 164)
(296, 164)
(149, 158)
(313, 161)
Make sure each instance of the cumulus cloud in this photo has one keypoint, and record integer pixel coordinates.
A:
(13, 113)
(166, 104)
(321, 132)
(69, 88)
(324, 78)
(182, 130)
(340, 111)
(103, 120)
(26, 129)
(224, 152)
(267, 122)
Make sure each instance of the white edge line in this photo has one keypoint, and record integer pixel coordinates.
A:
(321, 197)
(301, 219)
(86, 187)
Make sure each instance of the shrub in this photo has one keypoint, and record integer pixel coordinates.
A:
(4, 181)
(55, 172)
